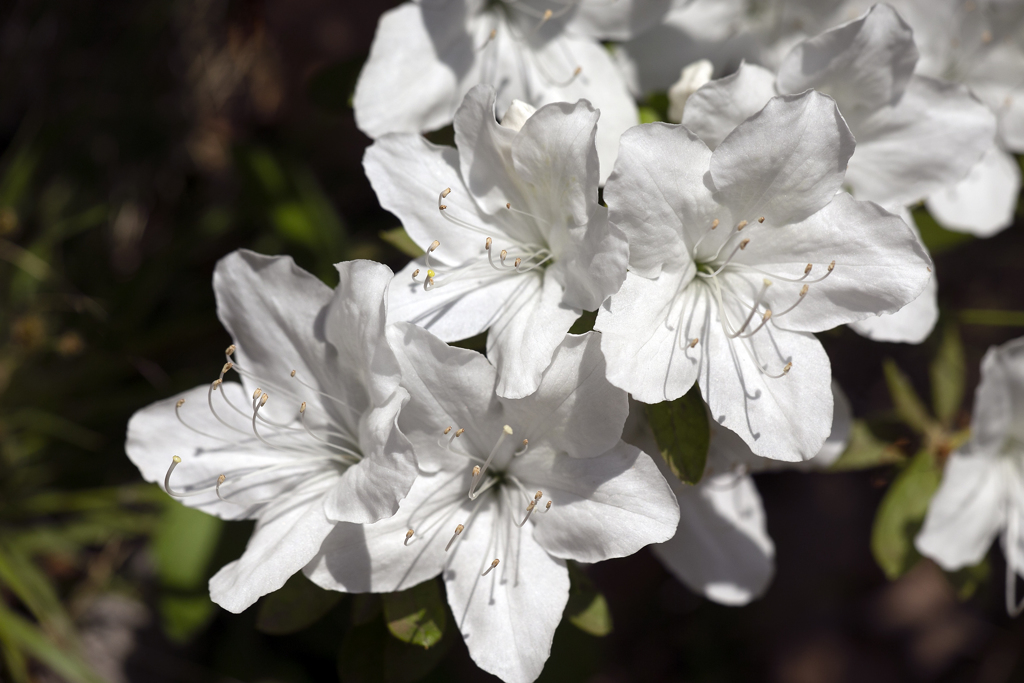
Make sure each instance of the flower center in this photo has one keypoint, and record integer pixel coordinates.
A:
(321, 452)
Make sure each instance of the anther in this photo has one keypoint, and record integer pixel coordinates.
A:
(526, 445)
(538, 495)
(761, 219)
(408, 536)
(180, 403)
(495, 562)
(744, 243)
(227, 366)
(292, 373)
(476, 470)
(694, 342)
(256, 394)
(529, 511)
(487, 244)
(216, 383)
(458, 530)
(807, 270)
(518, 263)
(302, 408)
(831, 265)
(508, 205)
(741, 225)
(789, 366)
(445, 192)
(446, 430)
(220, 480)
(459, 433)
(714, 224)
(230, 350)
(502, 256)
(263, 399)
(547, 507)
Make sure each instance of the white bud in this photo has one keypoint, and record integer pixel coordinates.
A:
(690, 80)
(516, 115)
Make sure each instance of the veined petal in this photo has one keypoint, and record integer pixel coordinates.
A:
(983, 203)
(647, 329)
(485, 152)
(620, 20)
(784, 163)
(508, 617)
(966, 513)
(523, 338)
(595, 263)
(604, 507)
(718, 107)
(574, 410)
(910, 325)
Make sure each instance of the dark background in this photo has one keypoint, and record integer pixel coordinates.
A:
(144, 139)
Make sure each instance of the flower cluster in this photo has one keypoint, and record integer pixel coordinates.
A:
(373, 456)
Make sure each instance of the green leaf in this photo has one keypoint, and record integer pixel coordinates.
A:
(405, 663)
(32, 587)
(183, 546)
(901, 514)
(182, 616)
(967, 580)
(587, 608)
(649, 115)
(934, 236)
(948, 375)
(295, 606)
(20, 634)
(681, 429)
(400, 240)
(981, 316)
(908, 404)
(416, 615)
(866, 450)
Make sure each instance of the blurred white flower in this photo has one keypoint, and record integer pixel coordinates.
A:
(692, 77)
(427, 55)
(509, 490)
(308, 438)
(982, 490)
(516, 240)
(736, 257)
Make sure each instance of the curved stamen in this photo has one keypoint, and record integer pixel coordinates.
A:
(766, 283)
(493, 565)
(458, 530)
(175, 461)
(408, 537)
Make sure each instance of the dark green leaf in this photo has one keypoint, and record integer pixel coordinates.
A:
(400, 240)
(405, 663)
(587, 608)
(681, 429)
(948, 375)
(908, 404)
(295, 606)
(865, 450)
(184, 543)
(183, 616)
(416, 615)
(901, 514)
(584, 323)
(967, 580)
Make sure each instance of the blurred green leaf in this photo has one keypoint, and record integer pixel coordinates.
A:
(908, 404)
(865, 450)
(416, 615)
(967, 580)
(32, 587)
(298, 604)
(978, 316)
(405, 663)
(182, 616)
(934, 236)
(18, 633)
(901, 513)
(649, 114)
(654, 108)
(681, 429)
(587, 608)
(17, 177)
(948, 375)
(268, 172)
(400, 240)
(183, 545)
(365, 608)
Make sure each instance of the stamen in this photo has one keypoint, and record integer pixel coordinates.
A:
(458, 530)
(753, 309)
(741, 225)
(447, 429)
(495, 562)
(694, 342)
(230, 350)
(415, 273)
(220, 480)
(544, 19)
(803, 293)
(764, 320)
(408, 536)
(175, 461)
(531, 506)
(761, 219)
(546, 508)
(444, 193)
(477, 476)
(526, 445)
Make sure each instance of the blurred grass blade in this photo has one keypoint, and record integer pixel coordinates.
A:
(901, 514)
(866, 450)
(908, 404)
(416, 615)
(681, 429)
(979, 316)
(19, 575)
(587, 608)
(948, 375)
(400, 240)
(19, 633)
(298, 604)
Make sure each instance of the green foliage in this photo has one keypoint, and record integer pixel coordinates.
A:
(416, 615)
(901, 514)
(294, 607)
(400, 240)
(369, 654)
(865, 450)
(654, 108)
(966, 581)
(681, 429)
(587, 608)
(976, 316)
(909, 406)
(935, 237)
(948, 375)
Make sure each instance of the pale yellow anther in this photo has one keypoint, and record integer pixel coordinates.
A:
(460, 432)
(431, 273)
(302, 408)
(807, 270)
(714, 224)
(761, 219)
(508, 205)
(176, 460)
(767, 315)
(538, 495)
(292, 373)
(741, 225)
(447, 429)
(227, 366)
(458, 530)
(507, 430)
(803, 290)
(547, 14)
(518, 261)
(577, 71)
(548, 506)
(476, 470)
(495, 562)
(180, 403)
(256, 394)
(502, 255)
(221, 479)
(694, 342)
(230, 350)
(487, 244)
(216, 383)
(767, 282)
(408, 535)
(445, 192)
(434, 245)
(788, 367)
(831, 266)
(743, 244)
(415, 273)
(442, 206)
(263, 399)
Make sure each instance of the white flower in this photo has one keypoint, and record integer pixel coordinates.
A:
(915, 135)
(427, 55)
(307, 438)
(982, 490)
(516, 241)
(691, 79)
(510, 489)
(722, 549)
(736, 257)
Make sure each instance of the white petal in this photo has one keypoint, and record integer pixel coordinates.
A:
(784, 163)
(865, 63)
(507, 618)
(910, 325)
(288, 534)
(574, 410)
(966, 513)
(716, 109)
(928, 140)
(983, 203)
(657, 196)
(411, 80)
(839, 438)
(595, 264)
(646, 331)
(722, 549)
(880, 265)
(999, 399)
(603, 507)
(526, 333)
(620, 20)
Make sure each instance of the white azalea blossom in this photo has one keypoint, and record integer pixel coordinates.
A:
(915, 135)
(982, 490)
(737, 256)
(509, 490)
(427, 55)
(516, 241)
(691, 79)
(307, 438)
(722, 549)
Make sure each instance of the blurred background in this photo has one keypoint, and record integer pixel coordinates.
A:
(140, 141)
